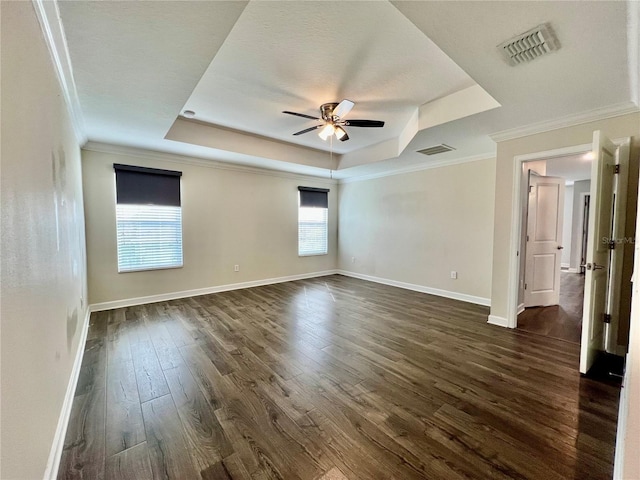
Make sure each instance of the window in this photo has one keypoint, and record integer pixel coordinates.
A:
(148, 218)
(313, 214)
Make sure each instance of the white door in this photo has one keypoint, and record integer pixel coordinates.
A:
(544, 241)
(598, 253)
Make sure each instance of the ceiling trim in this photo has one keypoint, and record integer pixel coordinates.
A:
(567, 121)
(53, 32)
(197, 161)
(418, 168)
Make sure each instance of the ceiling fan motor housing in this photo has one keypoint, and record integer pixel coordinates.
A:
(326, 110)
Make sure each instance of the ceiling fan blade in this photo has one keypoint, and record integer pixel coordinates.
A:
(343, 108)
(364, 123)
(300, 115)
(306, 130)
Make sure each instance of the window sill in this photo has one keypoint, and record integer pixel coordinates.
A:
(312, 254)
(172, 267)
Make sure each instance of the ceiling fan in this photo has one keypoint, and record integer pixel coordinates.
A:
(333, 115)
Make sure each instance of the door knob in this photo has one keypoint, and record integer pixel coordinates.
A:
(560, 247)
(593, 266)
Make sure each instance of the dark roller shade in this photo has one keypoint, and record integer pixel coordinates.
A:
(314, 197)
(144, 186)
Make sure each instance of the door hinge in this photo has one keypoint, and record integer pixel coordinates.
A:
(612, 245)
(606, 318)
(616, 168)
(525, 286)
(527, 238)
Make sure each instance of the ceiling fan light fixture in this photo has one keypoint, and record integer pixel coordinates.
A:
(340, 133)
(332, 114)
(327, 131)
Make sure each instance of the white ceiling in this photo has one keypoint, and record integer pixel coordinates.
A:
(572, 168)
(138, 65)
(284, 56)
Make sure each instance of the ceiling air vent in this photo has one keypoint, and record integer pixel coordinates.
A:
(435, 150)
(530, 45)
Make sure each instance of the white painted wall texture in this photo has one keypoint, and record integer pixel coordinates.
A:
(43, 247)
(627, 459)
(418, 227)
(229, 217)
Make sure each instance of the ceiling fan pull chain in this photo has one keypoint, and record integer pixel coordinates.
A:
(331, 157)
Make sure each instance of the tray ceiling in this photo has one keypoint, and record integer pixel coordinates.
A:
(431, 70)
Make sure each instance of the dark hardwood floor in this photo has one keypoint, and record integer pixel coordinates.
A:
(563, 321)
(331, 378)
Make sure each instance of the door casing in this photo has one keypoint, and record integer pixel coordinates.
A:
(516, 215)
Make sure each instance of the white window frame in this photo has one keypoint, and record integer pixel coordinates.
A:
(302, 211)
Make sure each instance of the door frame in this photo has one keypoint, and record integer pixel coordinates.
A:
(581, 224)
(516, 224)
(516, 217)
(617, 260)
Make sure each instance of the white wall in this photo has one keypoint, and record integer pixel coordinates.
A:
(627, 460)
(229, 216)
(43, 279)
(417, 227)
(567, 226)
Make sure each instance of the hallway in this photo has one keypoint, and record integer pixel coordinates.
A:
(563, 321)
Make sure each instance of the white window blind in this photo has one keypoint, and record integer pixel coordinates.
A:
(312, 231)
(149, 237)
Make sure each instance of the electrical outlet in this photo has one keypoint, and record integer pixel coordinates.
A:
(454, 274)
(236, 268)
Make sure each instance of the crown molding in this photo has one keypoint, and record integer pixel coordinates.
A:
(420, 167)
(567, 121)
(198, 161)
(53, 32)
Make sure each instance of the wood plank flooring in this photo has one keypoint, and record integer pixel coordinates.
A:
(331, 378)
(563, 321)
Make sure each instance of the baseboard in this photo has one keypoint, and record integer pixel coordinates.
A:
(499, 321)
(573, 270)
(53, 463)
(163, 297)
(520, 308)
(420, 288)
(621, 431)
(565, 265)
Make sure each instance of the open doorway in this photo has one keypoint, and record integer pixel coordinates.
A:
(556, 197)
(604, 306)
